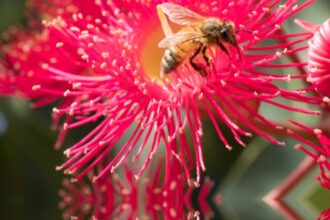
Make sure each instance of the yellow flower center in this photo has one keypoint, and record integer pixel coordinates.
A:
(151, 55)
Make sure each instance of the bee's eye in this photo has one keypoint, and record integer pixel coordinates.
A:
(224, 33)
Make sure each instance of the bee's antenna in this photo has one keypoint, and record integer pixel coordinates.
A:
(236, 44)
(238, 49)
(251, 32)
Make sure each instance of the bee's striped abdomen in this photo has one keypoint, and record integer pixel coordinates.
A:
(173, 56)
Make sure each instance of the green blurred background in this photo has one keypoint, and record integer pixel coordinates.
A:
(29, 183)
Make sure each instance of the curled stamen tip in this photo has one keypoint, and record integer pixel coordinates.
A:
(248, 134)
(59, 44)
(266, 10)
(71, 112)
(190, 215)
(73, 180)
(196, 184)
(317, 131)
(137, 177)
(223, 83)
(294, 7)
(282, 144)
(65, 126)
(173, 185)
(321, 159)
(66, 93)
(326, 99)
(282, 6)
(196, 214)
(277, 93)
(289, 78)
(58, 168)
(297, 146)
(190, 182)
(112, 170)
(76, 85)
(309, 79)
(289, 131)
(313, 70)
(55, 110)
(36, 87)
(102, 143)
(242, 144)
(229, 147)
(125, 206)
(69, 172)
(231, 4)
(67, 153)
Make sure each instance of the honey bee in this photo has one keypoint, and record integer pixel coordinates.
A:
(196, 35)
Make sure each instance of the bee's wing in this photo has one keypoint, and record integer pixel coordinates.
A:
(178, 38)
(179, 14)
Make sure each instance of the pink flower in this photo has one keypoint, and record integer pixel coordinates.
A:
(324, 215)
(320, 153)
(28, 58)
(319, 56)
(118, 196)
(80, 199)
(103, 62)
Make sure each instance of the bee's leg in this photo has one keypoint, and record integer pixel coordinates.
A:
(205, 56)
(163, 21)
(222, 47)
(196, 66)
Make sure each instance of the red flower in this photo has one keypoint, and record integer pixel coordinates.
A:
(103, 62)
(118, 196)
(324, 215)
(319, 56)
(320, 153)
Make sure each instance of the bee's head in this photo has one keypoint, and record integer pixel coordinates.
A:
(227, 33)
(217, 30)
(211, 28)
